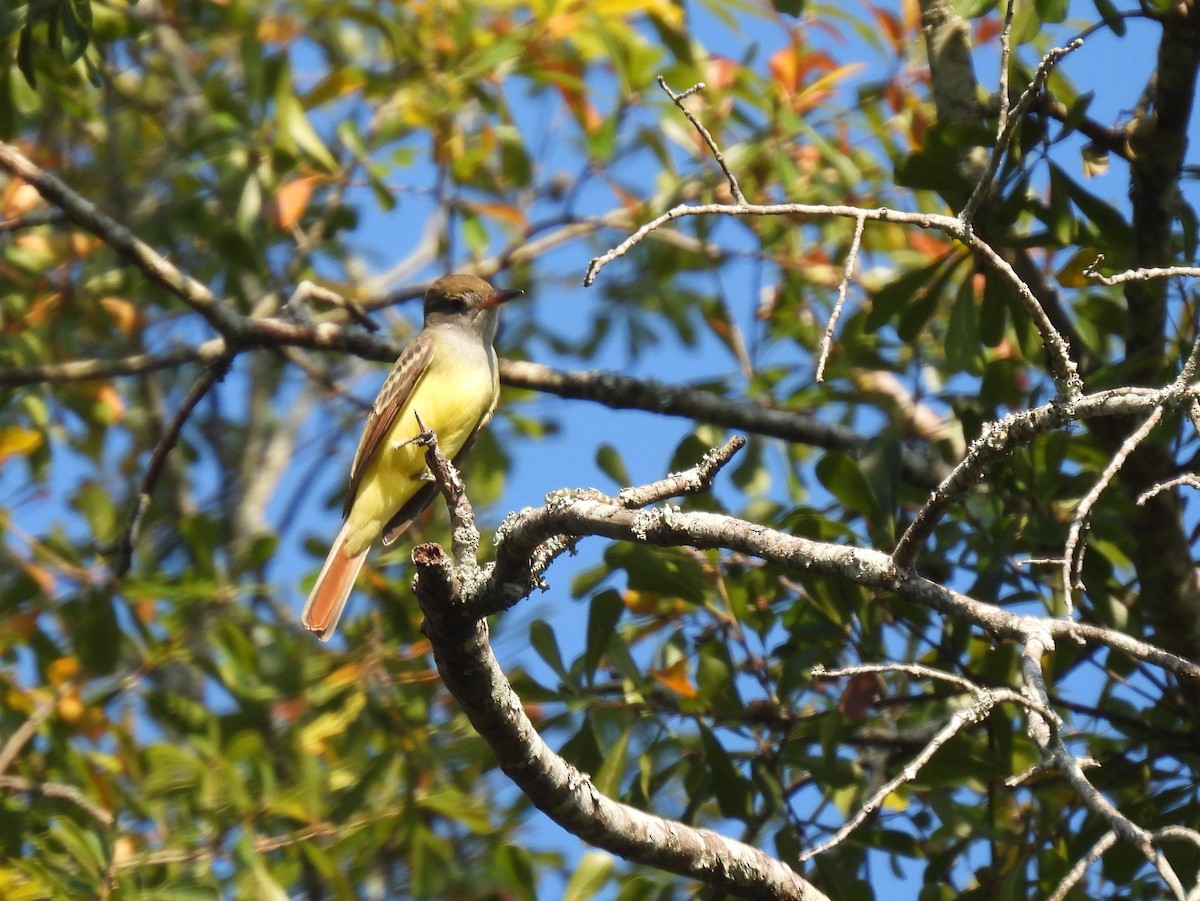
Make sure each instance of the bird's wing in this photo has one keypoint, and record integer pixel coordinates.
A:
(397, 389)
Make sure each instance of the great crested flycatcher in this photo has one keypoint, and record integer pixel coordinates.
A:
(447, 376)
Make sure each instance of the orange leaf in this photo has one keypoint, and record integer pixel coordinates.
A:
(721, 73)
(502, 211)
(889, 24)
(17, 198)
(291, 201)
(112, 407)
(61, 670)
(675, 678)
(859, 696)
(41, 575)
(124, 313)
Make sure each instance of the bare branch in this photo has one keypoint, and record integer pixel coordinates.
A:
(1190, 480)
(1062, 368)
(93, 370)
(1045, 731)
(32, 219)
(975, 713)
(462, 514)
(513, 577)
(1008, 123)
(470, 671)
(1072, 564)
(28, 729)
(307, 291)
(622, 392)
(949, 224)
(1003, 436)
(57, 791)
(847, 272)
(122, 550)
(1139, 275)
(734, 188)
(1077, 872)
(696, 480)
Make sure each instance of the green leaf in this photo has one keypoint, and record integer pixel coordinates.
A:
(963, 344)
(993, 311)
(1052, 11)
(13, 20)
(97, 633)
(589, 877)
(843, 477)
(296, 132)
(1112, 17)
(25, 55)
(96, 504)
(880, 462)
(972, 9)
(603, 613)
(1107, 220)
(727, 783)
(541, 636)
(608, 778)
(794, 8)
(608, 458)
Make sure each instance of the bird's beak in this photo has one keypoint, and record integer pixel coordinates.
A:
(496, 298)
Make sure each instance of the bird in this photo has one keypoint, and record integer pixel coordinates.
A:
(448, 378)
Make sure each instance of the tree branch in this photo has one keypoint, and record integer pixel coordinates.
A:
(470, 671)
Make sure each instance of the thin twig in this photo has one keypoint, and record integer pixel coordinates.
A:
(32, 219)
(1062, 368)
(57, 791)
(122, 549)
(1077, 872)
(696, 480)
(978, 711)
(678, 99)
(308, 290)
(93, 370)
(1072, 565)
(464, 532)
(28, 729)
(847, 272)
(1138, 275)
(1190, 480)
(1046, 732)
(1008, 122)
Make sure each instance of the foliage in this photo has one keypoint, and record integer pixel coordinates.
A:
(172, 733)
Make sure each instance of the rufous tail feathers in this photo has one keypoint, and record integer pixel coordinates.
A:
(332, 589)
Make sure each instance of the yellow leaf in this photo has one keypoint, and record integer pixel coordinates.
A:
(328, 725)
(15, 439)
(18, 197)
(291, 201)
(70, 708)
(666, 11)
(124, 313)
(61, 670)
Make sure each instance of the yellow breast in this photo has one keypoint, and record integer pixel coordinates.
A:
(455, 395)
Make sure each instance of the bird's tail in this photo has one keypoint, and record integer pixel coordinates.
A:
(332, 589)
